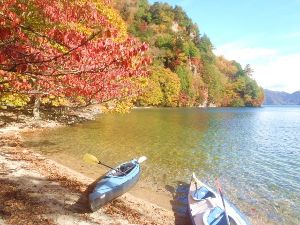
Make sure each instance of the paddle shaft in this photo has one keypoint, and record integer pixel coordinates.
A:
(222, 197)
(110, 167)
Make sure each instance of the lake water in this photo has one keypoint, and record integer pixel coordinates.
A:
(254, 151)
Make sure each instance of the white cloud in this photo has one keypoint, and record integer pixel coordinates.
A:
(244, 55)
(272, 70)
(280, 74)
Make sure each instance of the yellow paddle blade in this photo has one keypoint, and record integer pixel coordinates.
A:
(88, 158)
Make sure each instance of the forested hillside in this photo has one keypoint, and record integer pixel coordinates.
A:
(185, 71)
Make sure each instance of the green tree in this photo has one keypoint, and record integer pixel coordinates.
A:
(215, 82)
(185, 78)
(206, 49)
(190, 49)
(165, 41)
(162, 13)
(169, 84)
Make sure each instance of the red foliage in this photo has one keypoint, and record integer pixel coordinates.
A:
(183, 99)
(57, 59)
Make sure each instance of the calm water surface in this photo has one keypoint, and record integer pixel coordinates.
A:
(254, 151)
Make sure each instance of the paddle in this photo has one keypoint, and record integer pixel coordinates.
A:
(142, 159)
(89, 158)
(218, 184)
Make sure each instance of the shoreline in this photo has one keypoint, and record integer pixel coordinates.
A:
(143, 189)
(40, 190)
(140, 206)
(36, 189)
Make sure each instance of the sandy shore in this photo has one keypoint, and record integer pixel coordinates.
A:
(37, 190)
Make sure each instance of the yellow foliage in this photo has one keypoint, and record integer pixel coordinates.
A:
(81, 28)
(118, 106)
(55, 100)
(13, 100)
(112, 16)
(58, 46)
(124, 106)
(169, 84)
(152, 93)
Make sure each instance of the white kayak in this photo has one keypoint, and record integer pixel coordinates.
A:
(206, 207)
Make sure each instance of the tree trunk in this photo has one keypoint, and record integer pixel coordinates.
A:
(36, 107)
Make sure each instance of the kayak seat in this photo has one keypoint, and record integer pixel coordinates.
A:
(124, 168)
(202, 193)
(215, 216)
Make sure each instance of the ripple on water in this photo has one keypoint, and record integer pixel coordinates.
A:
(254, 151)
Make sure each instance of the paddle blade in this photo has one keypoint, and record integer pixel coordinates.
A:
(88, 158)
(218, 184)
(142, 159)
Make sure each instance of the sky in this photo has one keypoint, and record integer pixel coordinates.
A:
(262, 33)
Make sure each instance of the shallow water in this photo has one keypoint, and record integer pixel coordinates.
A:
(254, 151)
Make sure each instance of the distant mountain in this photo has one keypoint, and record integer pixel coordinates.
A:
(281, 98)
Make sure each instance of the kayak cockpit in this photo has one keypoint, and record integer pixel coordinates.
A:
(123, 170)
(216, 216)
(202, 193)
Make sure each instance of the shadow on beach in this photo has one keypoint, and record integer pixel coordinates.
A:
(81, 206)
(179, 203)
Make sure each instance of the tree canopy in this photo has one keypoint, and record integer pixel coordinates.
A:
(74, 50)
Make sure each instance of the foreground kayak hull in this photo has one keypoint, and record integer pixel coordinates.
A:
(113, 186)
(203, 202)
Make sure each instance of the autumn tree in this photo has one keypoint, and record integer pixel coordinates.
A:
(76, 50)
(169, 85)
(152, 94)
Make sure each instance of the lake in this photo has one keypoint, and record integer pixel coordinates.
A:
(254, 151)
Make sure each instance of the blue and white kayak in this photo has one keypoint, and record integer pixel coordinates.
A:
(206, 207)
(115, 183)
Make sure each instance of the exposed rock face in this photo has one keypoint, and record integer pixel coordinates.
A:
(203, 105)
(205, 102)
(175, 27)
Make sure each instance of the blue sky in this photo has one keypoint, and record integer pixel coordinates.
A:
(263, 33)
